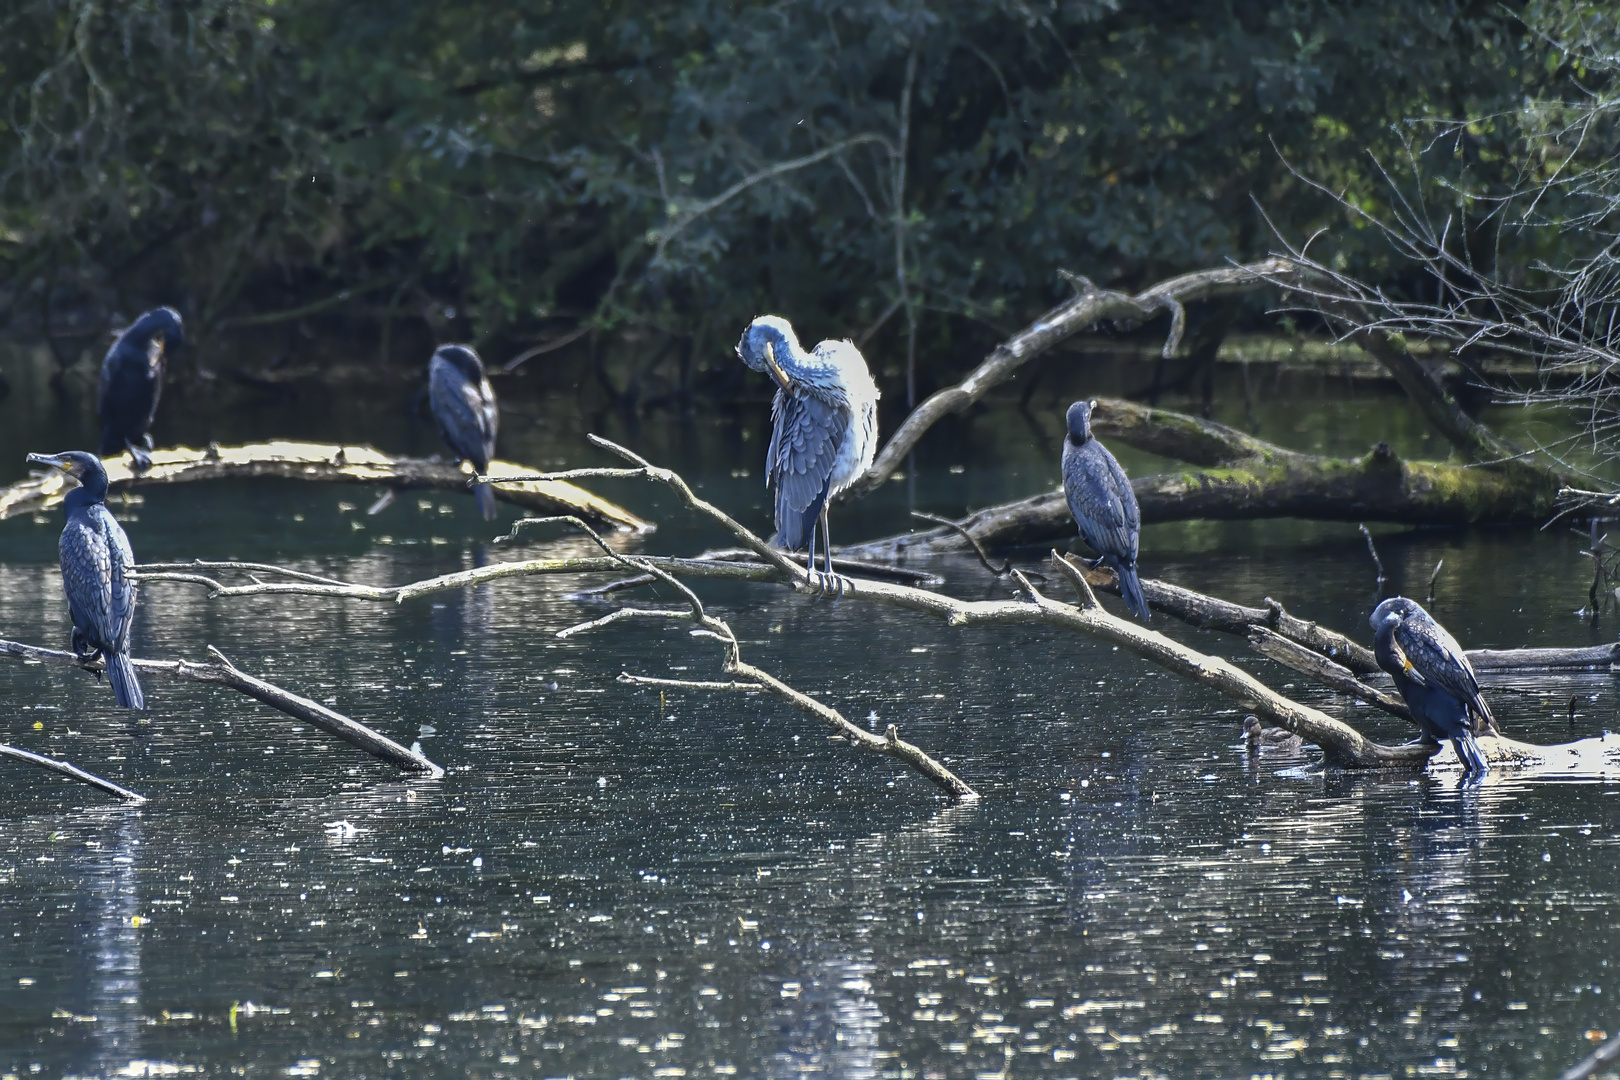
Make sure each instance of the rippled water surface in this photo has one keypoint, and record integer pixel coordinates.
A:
(607, 882)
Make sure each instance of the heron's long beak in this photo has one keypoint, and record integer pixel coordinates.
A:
(776, 369)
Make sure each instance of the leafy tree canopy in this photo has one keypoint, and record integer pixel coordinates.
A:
(672, 165)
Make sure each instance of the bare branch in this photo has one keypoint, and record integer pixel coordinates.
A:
(1089, 306)
(72, 772)
(224, 673)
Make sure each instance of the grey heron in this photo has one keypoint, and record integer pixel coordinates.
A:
(824, 432)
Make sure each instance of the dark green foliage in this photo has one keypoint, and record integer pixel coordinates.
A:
(533, 164)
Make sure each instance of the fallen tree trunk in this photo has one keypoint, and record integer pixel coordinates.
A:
(1244, 478)
(327, 464)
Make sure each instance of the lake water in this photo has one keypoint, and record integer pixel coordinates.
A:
(606, 884)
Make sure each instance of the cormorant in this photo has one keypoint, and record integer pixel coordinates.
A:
(96, 564)
(464, 406)
(1434, 676)
(824, 430)
(132, 380)
(1103, 504)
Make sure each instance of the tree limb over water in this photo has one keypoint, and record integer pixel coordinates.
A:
(223, 673)
(322, 463)
(1089, 306)
(72, 772)
(1322, 653)
(1239, 477)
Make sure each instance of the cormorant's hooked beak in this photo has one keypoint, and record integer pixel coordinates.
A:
(776, 369)
(1392, 619)
(55, 460)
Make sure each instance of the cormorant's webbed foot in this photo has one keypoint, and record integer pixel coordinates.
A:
(139, 459)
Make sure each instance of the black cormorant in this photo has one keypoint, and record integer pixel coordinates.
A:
(96, 564)
(464, 406)
(1434, 676)
(823, 433)
(132, 380)
(1103, 504)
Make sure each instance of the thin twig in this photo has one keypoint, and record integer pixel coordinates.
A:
(1434, 577)
(1373, 551)
(978, 548)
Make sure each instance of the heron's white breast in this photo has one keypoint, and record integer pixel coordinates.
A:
(856, 452)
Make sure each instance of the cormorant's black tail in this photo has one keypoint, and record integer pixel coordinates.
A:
(1130, 590)
(126, 687)
(486, 500)
(1472, 757)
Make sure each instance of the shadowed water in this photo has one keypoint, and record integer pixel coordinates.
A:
(607, 883)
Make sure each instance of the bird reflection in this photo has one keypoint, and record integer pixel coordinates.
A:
(1426, 907)
(113, 937)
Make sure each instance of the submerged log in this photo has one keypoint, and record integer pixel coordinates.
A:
(329, 464)
(1240, 478)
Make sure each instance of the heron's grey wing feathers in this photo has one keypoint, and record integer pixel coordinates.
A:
(804, 448)
(808, 433)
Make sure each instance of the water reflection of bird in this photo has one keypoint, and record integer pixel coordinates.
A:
(825, 429)
(1434, 676)
(96, 564)
(132, 380)
(1103, 504)
(464, 406)
(1259, 737)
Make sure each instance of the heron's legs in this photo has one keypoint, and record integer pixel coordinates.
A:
(826, 579)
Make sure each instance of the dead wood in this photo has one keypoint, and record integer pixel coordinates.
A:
(1240, 477)
(1089, 306)
(890, 745)
(1341, 744)
(223, 673)
(1271, 644)
(322, 463)
(72, 772)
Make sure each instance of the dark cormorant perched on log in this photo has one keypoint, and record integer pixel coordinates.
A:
(823, 431)
(1434, 676)
(96, 565)
(132, 380)
(464, 406)
(1103, 504)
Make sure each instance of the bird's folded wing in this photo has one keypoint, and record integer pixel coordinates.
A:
(87, 578)
(459, 409)
(1439, 658)
(121, 593)
(804, 447)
